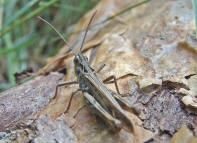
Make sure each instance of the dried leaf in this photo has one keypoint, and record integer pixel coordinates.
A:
(190, 99)
(183, 135)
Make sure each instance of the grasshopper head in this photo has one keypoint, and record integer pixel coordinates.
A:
(80, 59)
(81, 63)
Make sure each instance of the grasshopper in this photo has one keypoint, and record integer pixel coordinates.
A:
(104, 102)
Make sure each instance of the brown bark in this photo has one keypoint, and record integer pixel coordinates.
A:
(26, 99)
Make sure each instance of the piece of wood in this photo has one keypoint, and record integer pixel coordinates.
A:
(26, 99)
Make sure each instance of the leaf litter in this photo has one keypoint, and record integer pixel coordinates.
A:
(152, 44)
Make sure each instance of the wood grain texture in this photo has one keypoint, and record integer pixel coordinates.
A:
(26, 99)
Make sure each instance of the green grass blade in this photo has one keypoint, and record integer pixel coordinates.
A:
(20, 44)
(127, 9)
(22, 11)
(29, 16)
(2, 2)
(9, 10)
(4, 86)
(10, 59)
(1, 17)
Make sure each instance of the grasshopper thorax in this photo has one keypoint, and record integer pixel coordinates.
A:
(81, 68)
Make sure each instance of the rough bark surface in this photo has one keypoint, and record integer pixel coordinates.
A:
(26, 99)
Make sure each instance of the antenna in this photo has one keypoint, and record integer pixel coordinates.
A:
(54, 30)
(87, 30)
